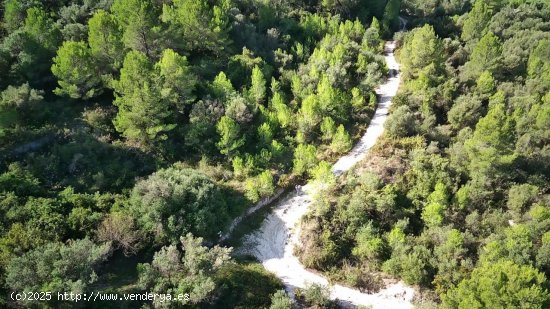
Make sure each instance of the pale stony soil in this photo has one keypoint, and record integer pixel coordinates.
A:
(274, 242)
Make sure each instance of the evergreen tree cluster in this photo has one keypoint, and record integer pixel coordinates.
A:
(455, 200)
(129, 127)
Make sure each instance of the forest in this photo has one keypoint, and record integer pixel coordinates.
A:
(133, 132)
(454, 199)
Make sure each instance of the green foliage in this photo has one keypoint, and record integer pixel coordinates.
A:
(500, 284)
(328, 128)
(283, 112)
(76, 70)
(22, 102)
(452, 262)
(476, 21)
(362, 9)
(318, 250)
(195, 26)
(258, 88)
(260, 186)
(432, 10)
(371, 38)
(222, 87)
(390, 21)
(521, 196)
(538, 61)
(315, 295)
(138, 20)
(105, 40)
(422, 50)
(14, 14)
(486, 56)
(459, 178)
(142, 116)
(246, 285)
(280, 300)
(332, 101)
(191, 270)
(413, 266)
(309, 117)
(41, 29)
(323, 175)
(369, 246)
(178, 80)
(173, 201)
(341, 141)
(305, 159)
(57, 267)
(401, 122)
(230, 136)
(490, 146)
(543, 254)
(19, 181)
(146, 103)
(465, 112)
(485, 83)
(37, 45)
(396, 237)
(465, 148)
(433, 212)
(201, 132)
(518, 244)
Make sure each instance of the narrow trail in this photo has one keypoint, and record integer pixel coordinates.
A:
(273, 243)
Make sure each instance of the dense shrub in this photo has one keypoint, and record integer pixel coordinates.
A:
(175, 201)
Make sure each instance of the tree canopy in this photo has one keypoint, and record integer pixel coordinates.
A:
(129, 127)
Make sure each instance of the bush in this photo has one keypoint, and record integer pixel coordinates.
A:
(465, 112)
(57, 267)
(520, 197)
(369, 245)
(260, 186)
(500, 285)
(247, 285)
(280, 300)
(328, 128)
(358, 276)
(305, 159)
(315, 296)
(341, 142)
(323, 175)
(192, 271)
(400, 123)
(318, 250)
(173, 201)
(120, 230)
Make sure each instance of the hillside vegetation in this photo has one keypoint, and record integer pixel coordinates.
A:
(133, 131)
(455, 198)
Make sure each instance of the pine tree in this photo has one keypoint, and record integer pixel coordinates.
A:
(341, 142)
(143, 115)
(476, 21)
(486, 56)
(77, 71)
(138, 19)
(328, 128)
(231, 138)
(390, 21)
(105, 39)
(258, 87)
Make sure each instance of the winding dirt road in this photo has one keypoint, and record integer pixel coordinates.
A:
(273, 243)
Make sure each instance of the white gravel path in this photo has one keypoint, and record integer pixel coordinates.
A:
(273, 243)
